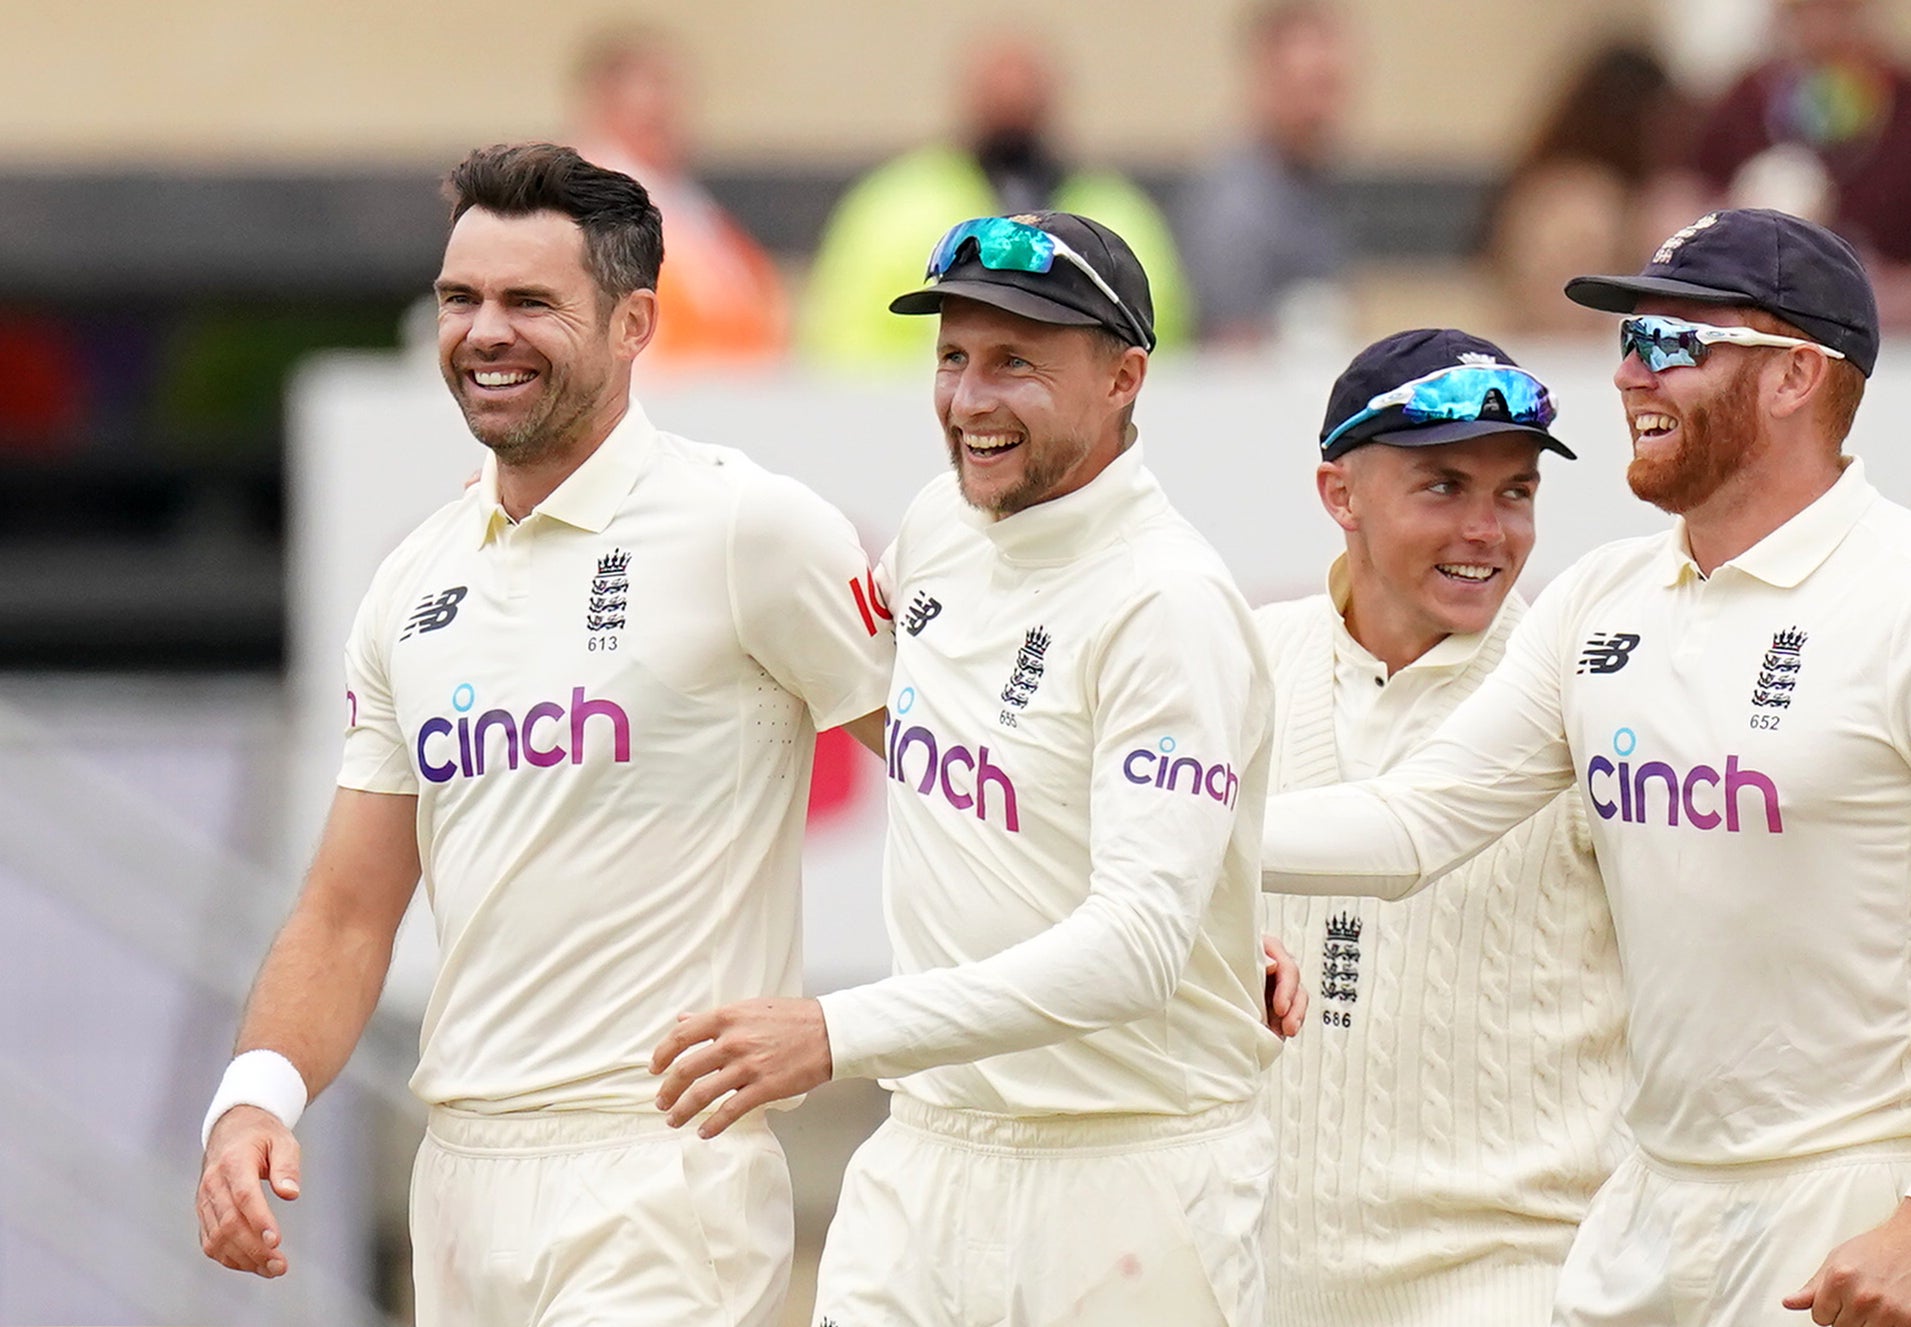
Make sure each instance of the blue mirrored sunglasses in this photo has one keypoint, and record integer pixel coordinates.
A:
(1663, 343)
(1497, 392)
(1005, 245)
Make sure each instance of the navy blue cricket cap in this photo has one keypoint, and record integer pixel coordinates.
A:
(1391, 363)
(1756, 258)
(1063, 294)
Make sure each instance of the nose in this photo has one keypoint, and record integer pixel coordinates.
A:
(969, 395)
(490, 327)
(1632, 372)
(1481, 522)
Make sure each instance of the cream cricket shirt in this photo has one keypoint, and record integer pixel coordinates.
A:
(1449, 1113)
(1077, 755)
(606, 711)
(1742, 742)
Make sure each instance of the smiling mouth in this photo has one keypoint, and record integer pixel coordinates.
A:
(492, 380)
(988, 446)
(1648, 425)
(1467, 573)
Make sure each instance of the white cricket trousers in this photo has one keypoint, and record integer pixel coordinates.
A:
(568, 1218)
(1720, 1246)
(962, 1219)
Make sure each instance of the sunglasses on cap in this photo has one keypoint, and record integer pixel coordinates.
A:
(1497, 392)
(1673, 343)
(1005, 245)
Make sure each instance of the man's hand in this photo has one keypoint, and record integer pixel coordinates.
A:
(1864, 1282)
(759, 1051)
(236, 1228)
(1286, 997)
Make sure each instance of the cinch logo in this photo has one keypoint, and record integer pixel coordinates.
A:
(963, 777)
(1707, 797)
(1161, 767)
(540, 746)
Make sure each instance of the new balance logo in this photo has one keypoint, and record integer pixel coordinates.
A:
(434, 612)
(922, 611)
(1607, 654)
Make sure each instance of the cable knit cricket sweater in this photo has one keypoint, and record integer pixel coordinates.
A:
(1452, 1105)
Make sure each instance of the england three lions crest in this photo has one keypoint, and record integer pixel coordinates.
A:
(1779, 671)
(1025, 675)
(609, 599)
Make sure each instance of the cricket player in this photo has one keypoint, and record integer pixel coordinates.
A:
(1077, 754)
(1445, 1122)
(582, 702)
(1733, 700)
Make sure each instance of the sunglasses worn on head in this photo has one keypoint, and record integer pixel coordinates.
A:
(1464, 392)
(1673, 343)
(1004, 245)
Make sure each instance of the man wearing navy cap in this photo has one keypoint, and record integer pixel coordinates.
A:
(1077, 746)
(1733, 699)
(1443, 1126)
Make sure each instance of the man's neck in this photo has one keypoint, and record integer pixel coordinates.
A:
(1749, 509)
(1395, 643)
(522, 486)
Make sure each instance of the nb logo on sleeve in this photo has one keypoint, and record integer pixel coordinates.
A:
(435, 611)
(922, 611)
(1607, 654)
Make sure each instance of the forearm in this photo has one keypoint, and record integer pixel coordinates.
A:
(1106, 963)
(316, 992)
(322, 977)
(1338, 840)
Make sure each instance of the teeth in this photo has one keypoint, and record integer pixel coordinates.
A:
(501, 377)
(1466, 571)
(990, 442)
(1653, 423)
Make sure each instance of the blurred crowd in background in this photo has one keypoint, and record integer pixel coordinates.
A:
(143, 413)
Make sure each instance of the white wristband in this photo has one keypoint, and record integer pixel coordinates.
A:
(261, 1078)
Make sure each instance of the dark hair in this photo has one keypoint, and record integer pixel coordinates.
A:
(623, 230)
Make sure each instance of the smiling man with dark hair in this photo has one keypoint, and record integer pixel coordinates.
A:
(581, 704)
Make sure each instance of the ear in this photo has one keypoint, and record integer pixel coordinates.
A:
(1336, 488)
(1125, 385)
(1801, 381)
(633, 322)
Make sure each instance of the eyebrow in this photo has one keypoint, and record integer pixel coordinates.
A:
(443, 286)
(1449, 472)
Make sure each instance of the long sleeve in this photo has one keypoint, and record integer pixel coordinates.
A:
(1175, 679)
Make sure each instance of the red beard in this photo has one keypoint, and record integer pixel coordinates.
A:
(1719, 438)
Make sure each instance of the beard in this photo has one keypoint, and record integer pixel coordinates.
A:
(1720, 437)
(1044, 465)
(544, 429)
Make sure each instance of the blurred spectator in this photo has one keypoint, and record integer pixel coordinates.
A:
(1005, 161)
(1591, 191)
(720, 296)
(1823, 128)
(1257, 227)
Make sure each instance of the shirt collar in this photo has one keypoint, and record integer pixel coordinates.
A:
(591, 494)
(1797, 548)
(1450, 652)
(1065, 528)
